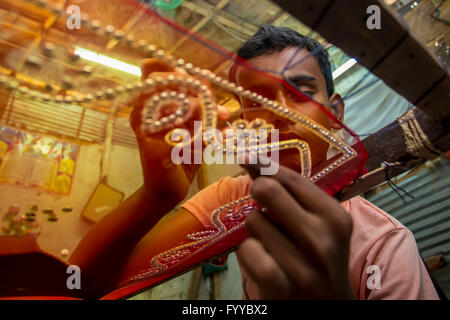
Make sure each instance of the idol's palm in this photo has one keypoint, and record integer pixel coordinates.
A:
(161, 174)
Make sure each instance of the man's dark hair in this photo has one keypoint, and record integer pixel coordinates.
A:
(270, 39)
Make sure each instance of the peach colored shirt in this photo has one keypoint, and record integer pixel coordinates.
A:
(377, 239)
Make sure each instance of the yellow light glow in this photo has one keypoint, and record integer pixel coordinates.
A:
(107, 61)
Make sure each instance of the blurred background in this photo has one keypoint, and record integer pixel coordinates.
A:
(71, 162)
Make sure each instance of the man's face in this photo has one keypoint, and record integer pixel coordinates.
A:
(308, 78)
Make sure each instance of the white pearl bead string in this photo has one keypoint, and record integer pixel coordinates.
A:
(151, 125)
(166, 97)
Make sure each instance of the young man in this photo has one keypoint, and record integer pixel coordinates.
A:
(307, 245)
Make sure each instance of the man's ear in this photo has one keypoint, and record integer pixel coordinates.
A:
(338, 108)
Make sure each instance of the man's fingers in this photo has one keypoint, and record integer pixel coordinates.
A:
(283, 209)
(222, 113)
(300, 261)
(316, 201)
(264, 270)
(290, 257)
(149, 66)
(308, 195)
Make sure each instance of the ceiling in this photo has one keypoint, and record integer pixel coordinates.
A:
(37, 48)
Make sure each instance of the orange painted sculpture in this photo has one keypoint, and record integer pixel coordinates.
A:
(134, 247)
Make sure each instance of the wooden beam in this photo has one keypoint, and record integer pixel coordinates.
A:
(194, 284)
(234, 22)
(388, 145)
(311, 10)
(225, 18)
(37, 41)
(280, 19)
(198, 26)
(223, 66)
(128, 25)
(215, 286)
(392, 52)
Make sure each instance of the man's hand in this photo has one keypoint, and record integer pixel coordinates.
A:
(299, 247)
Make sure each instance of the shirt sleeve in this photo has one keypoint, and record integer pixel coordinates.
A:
(395, 271)
(216, 195)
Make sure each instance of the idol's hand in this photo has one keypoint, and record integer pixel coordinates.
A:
(161, 175)
(299, 249)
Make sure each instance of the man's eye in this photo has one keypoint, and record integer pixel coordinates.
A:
(296, 97)
(308, 93)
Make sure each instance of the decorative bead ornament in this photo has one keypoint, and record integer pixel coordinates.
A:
(228, 219)
(209, 116)
(224, 224)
